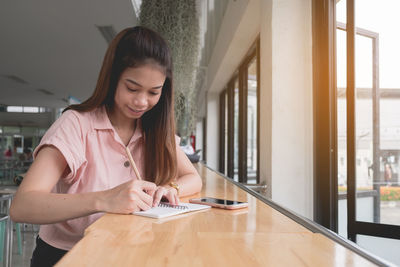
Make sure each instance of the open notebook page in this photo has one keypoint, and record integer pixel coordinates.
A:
(165, 210)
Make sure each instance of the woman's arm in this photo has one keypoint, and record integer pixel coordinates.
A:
(189, 181)
(33, 202)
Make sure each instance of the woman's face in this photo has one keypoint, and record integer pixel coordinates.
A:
(138, 90)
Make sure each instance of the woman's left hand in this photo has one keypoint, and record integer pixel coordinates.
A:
(168, 192)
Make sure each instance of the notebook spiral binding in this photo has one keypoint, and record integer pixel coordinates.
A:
(167, 205)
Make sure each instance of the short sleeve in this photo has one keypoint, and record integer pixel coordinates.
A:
(67, 136)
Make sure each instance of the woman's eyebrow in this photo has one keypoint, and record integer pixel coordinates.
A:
(138, 84)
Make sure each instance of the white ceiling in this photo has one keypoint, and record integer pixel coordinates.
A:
(56, 46)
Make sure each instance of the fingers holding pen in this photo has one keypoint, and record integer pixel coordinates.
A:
(144, 191)
(137, 195)
(148, 187)
(131, 196)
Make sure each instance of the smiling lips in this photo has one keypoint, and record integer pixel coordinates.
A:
(136, 112)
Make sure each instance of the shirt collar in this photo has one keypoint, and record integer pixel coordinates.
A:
(102, 122)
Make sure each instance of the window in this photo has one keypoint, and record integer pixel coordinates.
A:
(26, 109)
(252, 108)
(15, 109)
(356, 100)
(239, 125)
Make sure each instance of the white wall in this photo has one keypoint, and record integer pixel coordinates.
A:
(292, 121)
(199, 137)
(212, 130)
(286, 125)
(266, 95)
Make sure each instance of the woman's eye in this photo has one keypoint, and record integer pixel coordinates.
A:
(154, 93)
(132, 90)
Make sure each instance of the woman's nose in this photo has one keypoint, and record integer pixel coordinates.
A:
(140, 100)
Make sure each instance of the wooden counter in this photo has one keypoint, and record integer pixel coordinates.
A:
(256, 236)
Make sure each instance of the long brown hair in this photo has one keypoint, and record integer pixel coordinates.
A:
(134, 47)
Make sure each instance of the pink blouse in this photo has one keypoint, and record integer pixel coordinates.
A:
(98, 161)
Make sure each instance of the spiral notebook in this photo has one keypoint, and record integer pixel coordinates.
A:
(166, 209)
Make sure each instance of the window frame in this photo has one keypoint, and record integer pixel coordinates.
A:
(355, 227)
(324, 104)
(325, 124)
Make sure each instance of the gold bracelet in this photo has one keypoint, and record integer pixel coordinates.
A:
(174, 185)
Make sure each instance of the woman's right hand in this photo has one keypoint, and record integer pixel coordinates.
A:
(134, 195)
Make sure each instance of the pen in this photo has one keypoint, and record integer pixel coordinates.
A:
(133, 163)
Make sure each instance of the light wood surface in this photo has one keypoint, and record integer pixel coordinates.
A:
(255, 236)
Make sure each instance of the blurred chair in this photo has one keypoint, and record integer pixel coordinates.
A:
(4, 208)
(3, 228)
(6, 227)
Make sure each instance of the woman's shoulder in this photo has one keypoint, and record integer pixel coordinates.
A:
(81, 119)
(82, 114)
(75, 116)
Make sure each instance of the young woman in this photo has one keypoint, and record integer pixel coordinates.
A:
(82, 167)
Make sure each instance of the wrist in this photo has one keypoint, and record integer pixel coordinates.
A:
(99, 203)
